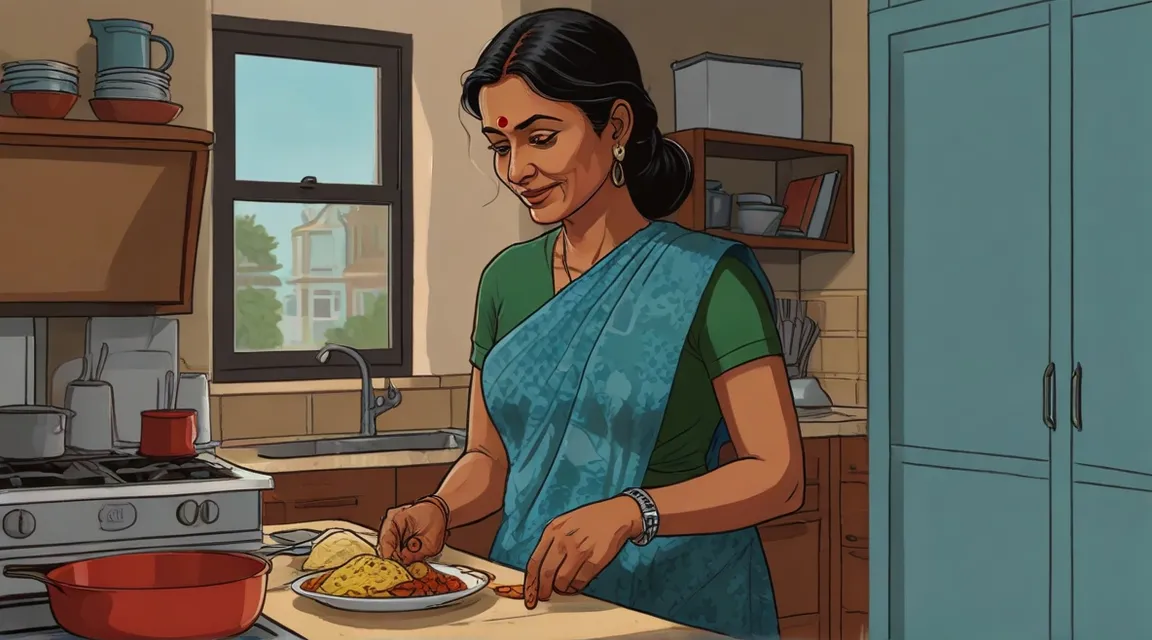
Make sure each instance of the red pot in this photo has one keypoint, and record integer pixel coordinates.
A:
(169, 595)
(168, 433)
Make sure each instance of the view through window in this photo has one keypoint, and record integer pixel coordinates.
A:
(316, 190)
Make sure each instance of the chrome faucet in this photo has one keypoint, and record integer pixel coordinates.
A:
(371, 405)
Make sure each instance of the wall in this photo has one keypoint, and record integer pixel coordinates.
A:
(453, 183)
(460, 210)
(830, 39)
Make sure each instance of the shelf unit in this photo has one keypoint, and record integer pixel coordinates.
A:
(782, 160)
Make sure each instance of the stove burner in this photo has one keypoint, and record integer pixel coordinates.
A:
(51, 473)
(137, 470)
(102, 469)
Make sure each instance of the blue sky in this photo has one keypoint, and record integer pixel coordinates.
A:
(297, 118)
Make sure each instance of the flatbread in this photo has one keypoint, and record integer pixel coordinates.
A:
(365, 576)
(334, 548)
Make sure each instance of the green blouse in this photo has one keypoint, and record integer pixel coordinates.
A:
(733, 326)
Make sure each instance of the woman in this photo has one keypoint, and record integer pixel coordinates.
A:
(613, 356)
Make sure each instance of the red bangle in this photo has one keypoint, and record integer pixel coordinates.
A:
(441, 503)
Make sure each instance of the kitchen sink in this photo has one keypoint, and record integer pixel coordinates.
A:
(438, 440)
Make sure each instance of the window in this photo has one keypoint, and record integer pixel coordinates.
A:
(312, 158)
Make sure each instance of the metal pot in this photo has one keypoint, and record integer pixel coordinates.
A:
(30, 431)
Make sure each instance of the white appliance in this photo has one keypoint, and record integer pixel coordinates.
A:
(749, 95)
(86, 505)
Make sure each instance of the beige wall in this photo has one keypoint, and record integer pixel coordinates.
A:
(456, 232)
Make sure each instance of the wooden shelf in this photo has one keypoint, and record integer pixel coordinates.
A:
(781, 160)
(111, 216)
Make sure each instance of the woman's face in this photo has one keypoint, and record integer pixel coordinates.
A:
(546, 152)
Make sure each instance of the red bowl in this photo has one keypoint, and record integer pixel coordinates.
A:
(135, 111)
(42, 104)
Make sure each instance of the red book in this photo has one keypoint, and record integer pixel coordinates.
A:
(799, 203)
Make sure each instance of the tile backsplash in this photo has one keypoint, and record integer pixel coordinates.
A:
(429, 402)
(840, 358)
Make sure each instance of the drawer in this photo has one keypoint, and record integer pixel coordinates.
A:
(793, 554)
(854, 626)
(800, 627)
(854, 580)
(815, 459)
(854, 514)
(854, 459)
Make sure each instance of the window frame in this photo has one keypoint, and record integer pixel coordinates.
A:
(392, 54)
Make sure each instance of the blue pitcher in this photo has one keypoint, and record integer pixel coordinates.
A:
(121, 42)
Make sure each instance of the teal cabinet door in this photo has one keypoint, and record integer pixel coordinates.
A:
(1112, 293)
(960, 289)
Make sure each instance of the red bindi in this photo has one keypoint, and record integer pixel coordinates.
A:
(501, 121)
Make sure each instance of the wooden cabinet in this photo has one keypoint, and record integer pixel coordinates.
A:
(850, 573)
(101, 218)
(361, 496)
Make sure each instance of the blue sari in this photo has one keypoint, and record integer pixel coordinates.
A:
(578, 393)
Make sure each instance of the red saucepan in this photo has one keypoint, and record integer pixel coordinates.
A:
(169, 595)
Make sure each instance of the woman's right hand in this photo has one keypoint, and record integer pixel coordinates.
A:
(412, 532)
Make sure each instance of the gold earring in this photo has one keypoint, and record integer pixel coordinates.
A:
(618, 165)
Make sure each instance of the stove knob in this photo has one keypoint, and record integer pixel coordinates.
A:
(187, 512)
(209, 512)
(19, 524)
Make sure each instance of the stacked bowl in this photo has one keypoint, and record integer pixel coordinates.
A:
(134, 94)
(40, 88)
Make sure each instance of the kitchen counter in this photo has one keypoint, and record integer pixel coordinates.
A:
(485, 615)
(843, 421)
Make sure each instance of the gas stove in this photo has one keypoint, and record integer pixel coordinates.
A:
(84, 505)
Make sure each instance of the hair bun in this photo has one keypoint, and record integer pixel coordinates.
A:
(663, 183)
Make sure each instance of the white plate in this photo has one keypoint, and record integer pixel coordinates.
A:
(474, 582)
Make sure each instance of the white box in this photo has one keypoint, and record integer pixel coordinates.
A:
(749, 95)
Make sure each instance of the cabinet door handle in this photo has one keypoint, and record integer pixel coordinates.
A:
(322, 503)
(1077, 383)
(1049, 411)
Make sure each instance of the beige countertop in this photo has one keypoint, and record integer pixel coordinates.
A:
(485, 615)
(843, 421)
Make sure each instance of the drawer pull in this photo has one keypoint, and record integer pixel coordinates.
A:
(851, 467)
(851, 538)
(322, 503)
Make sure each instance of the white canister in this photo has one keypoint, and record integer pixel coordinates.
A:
(192, 393)
(92, 428)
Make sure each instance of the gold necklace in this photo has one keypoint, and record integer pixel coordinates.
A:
(564, 256)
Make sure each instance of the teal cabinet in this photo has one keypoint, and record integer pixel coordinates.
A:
(1009, 183)
(1112, 294)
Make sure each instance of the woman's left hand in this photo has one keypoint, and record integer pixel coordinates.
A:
(576, 546)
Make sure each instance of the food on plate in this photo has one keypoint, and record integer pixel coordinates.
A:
(335, 548)
(513, 591)
(365, 576)
(369, 576)
(427, 581)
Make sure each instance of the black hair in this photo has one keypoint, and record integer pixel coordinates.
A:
(573, 56)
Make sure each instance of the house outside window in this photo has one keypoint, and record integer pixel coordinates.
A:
(311, 199)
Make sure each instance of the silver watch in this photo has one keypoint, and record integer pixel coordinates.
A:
(648, 514)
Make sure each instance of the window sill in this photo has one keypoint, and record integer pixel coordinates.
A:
(452, 381)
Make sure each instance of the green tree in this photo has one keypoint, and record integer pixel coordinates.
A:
(258, 312)
(368, 331)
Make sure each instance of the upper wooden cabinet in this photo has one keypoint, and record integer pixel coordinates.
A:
(99, 218)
